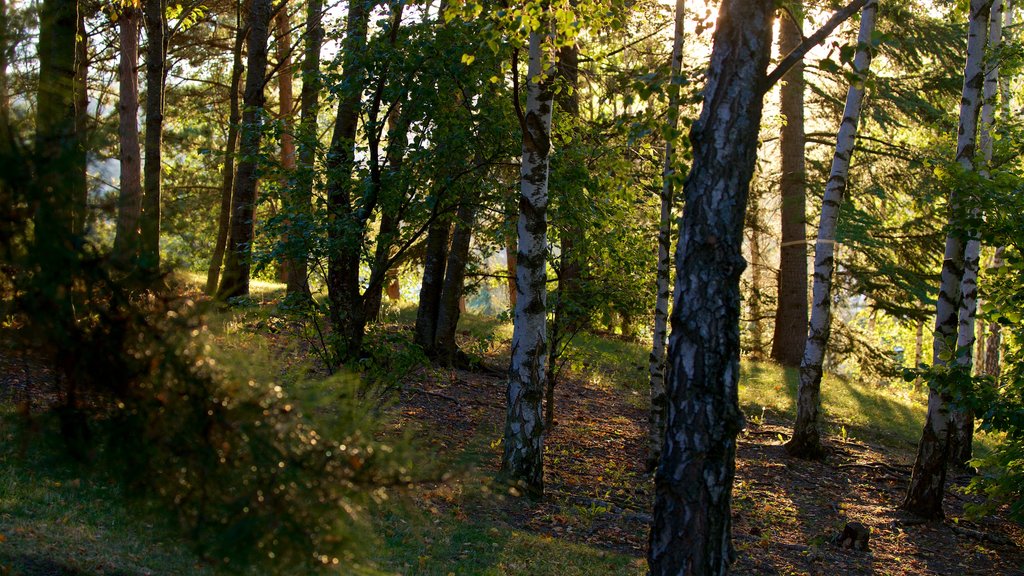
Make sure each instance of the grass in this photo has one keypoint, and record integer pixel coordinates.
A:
(53, 519)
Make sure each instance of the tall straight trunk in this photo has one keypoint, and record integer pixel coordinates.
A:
(656, 419)
(962, 435)
(511, 265)
(791, 314)
(806, 440)
(154, 14)
(228, 178)
(80, 176)
(309, 104)
(432, 284)
(523, 460)
(126, 239)
(344, 230)
(285, 76)
(918, 351)
(446, 349)
(691, 530)
(6, 141)
(237, 265)
(928, 479)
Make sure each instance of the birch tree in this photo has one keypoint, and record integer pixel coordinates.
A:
(806, 441)
(522, 461)
(962, 434)
(656, 427)
(928, 479)
(691, 531)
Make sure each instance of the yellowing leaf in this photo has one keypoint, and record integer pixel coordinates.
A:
(468, 59)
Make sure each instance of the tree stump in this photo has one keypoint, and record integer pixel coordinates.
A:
(854, 536)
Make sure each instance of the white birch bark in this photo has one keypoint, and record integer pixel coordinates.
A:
(657, 360)
(522, 463)
(806, 440)
(928, 479)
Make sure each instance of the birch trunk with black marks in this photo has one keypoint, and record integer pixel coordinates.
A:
(308, 137)
(791, 314)
(237, 265)
(523, 461)
(228, 177)
(691, 531)
(806, 440)
(656, 419)
(928, 479)
(129, 206)
(154, 16)
(962, 435)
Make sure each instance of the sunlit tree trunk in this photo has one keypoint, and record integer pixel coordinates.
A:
(126, 238)
(308, 135)
(237, 266)
(656, 419)
(806, 440)
(791, 313)
(692, 525)
(928, 479)
(285, 76)
(523, 459)
(228, 177)
(962, 435)
(154, 17)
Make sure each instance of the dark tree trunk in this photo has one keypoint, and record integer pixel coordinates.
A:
(156, 72)
(432, 284)
(345, 231)
(126, 238)
(80, 179)
(228, 179)
(691, 531)
(309, 103)
(446, 348)
(237, 265)
(791, 314)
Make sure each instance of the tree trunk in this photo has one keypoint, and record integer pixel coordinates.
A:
(156, 73)
(806, 440)
(755, 301)
(228, 178)
(656, 419)
(344, 231)
(235, 281)
(523, 460)
(80, 179)
(791, 314)
(928, 479)
(962, 436)
(285, 77)
(918, 351)
(432, 284)
(511, 265)
(126, 239)
(446, 348)
(691, 530)
(309, 103)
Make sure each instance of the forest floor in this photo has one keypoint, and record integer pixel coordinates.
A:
(594, 517)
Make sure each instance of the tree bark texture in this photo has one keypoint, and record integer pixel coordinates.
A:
(522, 462)
(308, 135)
(791, 313)
(344, 231)
(446, 348)
(228, 178)
(156, 72)
(962, 434)
(129, 206)
(806, 440)
(692, 525)
(928, 479)
(285, 102)
(656, 419)
(434, 262)
(80, 176)
(237, 266)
